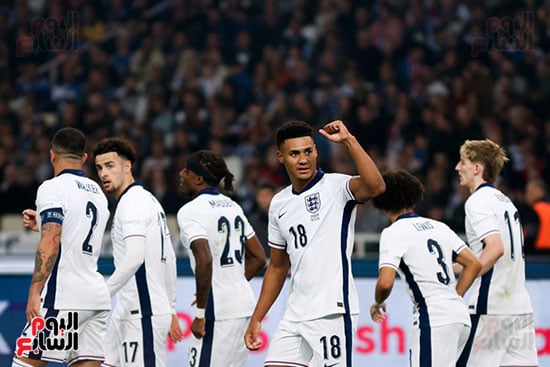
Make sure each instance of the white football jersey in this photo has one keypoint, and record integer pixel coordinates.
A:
(215, 217)
(316, 228)
(502, 289)
(78, 204)
(422, 251)
(151, 291)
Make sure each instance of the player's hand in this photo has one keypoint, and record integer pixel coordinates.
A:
(251, 339)
(335, 131)
(378, 312)
(175, 333)
(198, 328)
(33, 307)
(29, 219)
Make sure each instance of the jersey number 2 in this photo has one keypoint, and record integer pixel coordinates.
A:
(91, 211)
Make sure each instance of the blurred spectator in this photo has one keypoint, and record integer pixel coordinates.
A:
(536, 195)
(412, 79)
(165, 191)
(17, 190)
(157, 159)
(258, 217)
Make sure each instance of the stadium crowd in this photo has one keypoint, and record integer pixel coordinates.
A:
(412, 80)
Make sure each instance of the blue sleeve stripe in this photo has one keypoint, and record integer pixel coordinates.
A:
(52, 215)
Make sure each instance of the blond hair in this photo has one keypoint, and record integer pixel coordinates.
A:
(491, 155)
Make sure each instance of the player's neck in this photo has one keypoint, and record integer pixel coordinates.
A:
(477, 181)
(127, 182)
(63, 164)
(299, 185)
(394, 215)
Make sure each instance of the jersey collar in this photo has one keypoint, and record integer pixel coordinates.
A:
(486, 184)
(407, 215)
(316, 179)
(210, 190)
(77, 172)
(135, 183)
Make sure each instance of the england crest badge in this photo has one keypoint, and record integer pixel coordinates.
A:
(313, 202)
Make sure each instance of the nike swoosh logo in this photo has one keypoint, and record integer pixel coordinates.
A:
(331, 365)
(280, 215)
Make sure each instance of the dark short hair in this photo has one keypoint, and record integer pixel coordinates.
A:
(69, 142)
(117, 145)
(211, 167)
(403, 191)
(291, 130)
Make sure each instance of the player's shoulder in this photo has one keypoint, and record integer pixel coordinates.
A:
(139, 196)
(336, 176)
(192, 208)
(481, 199)
(48, 184)
(134, 198)
(391, 233)
(283, 195)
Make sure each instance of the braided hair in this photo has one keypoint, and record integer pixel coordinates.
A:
(212, 168)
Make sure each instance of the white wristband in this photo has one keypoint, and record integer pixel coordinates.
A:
(200, 312)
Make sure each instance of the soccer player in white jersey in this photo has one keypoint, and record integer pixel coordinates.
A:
(311, 233)
(503, 331)
(144, 280)
(422, 250)
(71, 215)
(225, 254)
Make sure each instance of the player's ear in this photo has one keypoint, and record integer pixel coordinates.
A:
(127, 166)
(280, 156)
(84, 157)
(52, 156)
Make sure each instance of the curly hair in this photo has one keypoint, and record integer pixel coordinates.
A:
(403, 191)
(120, 146)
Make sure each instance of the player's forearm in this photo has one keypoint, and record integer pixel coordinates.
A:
(373, 183)
(252, 267)
(43, 266)
(171, 275)
(381, 293)
(254, 257)
(471, 267)
(46, 256)
(274, 280)
(127, 268)
(491, 253)
(466, 278)
(203, 282)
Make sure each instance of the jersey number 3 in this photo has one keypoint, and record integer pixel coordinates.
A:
(434, 247)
